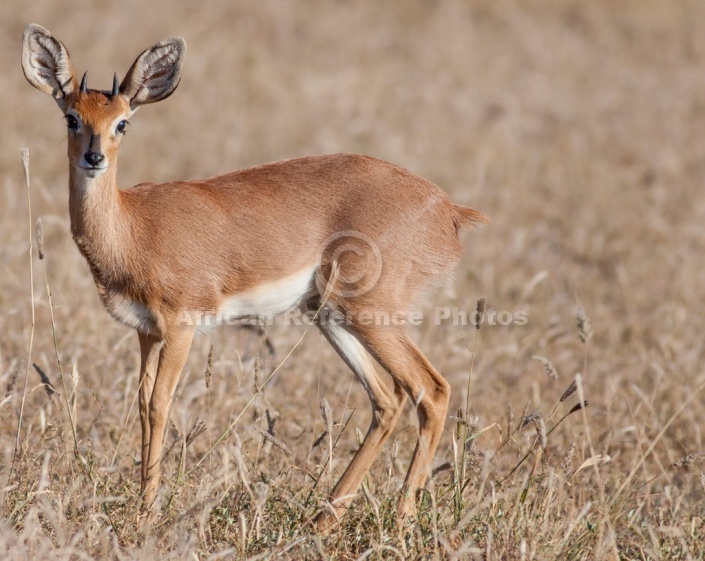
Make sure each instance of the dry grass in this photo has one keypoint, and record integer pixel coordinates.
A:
(578, 127)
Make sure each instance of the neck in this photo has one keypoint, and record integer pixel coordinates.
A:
(97, 219)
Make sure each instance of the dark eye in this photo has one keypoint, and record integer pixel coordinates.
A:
(71, 122)
(121, 127)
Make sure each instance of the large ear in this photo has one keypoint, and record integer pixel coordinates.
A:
(46, 63)
(156, 73)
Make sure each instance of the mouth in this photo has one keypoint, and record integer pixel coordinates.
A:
(92, 171)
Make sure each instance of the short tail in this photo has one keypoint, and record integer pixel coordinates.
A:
(464, 216)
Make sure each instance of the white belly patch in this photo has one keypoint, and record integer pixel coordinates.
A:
(262, 302)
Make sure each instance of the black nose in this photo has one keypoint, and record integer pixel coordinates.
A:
(93, 158)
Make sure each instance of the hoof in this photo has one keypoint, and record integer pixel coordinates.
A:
(325, 521)
(406, 509)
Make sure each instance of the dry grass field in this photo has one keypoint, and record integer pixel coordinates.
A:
(578, 127)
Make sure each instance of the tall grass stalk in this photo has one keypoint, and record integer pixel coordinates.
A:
(68, 398)
(461, 474)
(25, 166)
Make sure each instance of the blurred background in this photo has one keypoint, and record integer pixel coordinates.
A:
(578, 127)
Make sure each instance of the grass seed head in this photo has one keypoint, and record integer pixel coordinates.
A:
(578, 406)
(327, 415)
(39, 234)
(525, 414)
(257, 372)
(209, 368)
(689, 460)
(540, 427)
(570, 390)
(526, 419)
(510, 418)
(198, 428)
(479, 312)
(548, 366)
(567, 462)
(585, 330)
(48, 386)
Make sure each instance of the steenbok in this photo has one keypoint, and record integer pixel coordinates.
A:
(350, 236)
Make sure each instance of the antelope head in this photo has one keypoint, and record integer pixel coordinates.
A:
(98, 119)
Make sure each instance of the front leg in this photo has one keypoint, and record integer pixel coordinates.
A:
(150, 347)
(171, 361)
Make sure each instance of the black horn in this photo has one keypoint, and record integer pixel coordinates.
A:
(116, 86)
(84, 83)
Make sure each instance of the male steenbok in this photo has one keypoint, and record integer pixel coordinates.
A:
(345, 234)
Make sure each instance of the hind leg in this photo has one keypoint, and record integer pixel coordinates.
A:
(429, 392)
(387, 399)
